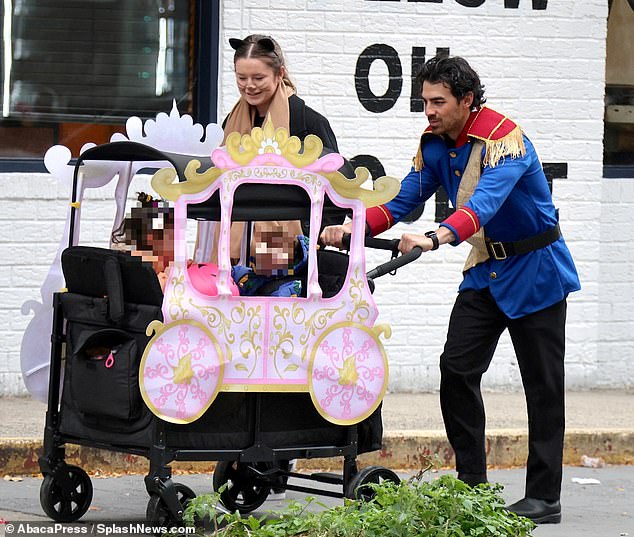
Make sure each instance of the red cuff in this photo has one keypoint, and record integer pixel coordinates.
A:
(378, 219)
(465, 222)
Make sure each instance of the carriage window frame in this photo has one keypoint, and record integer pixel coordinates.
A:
(204, 57)
(250, 235)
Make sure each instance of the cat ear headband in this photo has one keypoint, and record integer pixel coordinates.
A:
(265, 42)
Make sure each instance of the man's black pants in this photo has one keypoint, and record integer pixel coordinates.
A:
(475, 327)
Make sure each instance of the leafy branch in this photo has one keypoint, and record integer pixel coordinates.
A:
(441, 507)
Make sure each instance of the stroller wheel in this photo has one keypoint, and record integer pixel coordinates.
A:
(157, 511)
(65, 494)
(245, 489)
(357, 488)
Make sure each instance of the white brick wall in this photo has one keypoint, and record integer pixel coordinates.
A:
(544, 68)
(613, 363)
(30, 218)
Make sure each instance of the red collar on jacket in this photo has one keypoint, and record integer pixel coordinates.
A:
(483, 124)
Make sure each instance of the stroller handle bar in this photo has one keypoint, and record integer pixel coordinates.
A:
(373, 242)
(396, 262)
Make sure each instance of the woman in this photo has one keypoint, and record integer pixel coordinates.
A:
(265, 88)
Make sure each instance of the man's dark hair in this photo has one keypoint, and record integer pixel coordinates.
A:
(456, 74)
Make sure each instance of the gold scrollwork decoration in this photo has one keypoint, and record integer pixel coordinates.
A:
(163, 180)
(382, 329)
(155, 327)
(361, 306)
(250, 340)
(282, 344)
(176, 309)
(317, 321)
(216, 320)
(269, 140)
(239, 313)
(250, 346)
(384, 188)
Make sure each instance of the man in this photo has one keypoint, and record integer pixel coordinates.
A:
(517, 276)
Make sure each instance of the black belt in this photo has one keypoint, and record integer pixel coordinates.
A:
(502, 250)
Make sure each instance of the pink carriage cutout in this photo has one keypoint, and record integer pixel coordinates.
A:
(329, 347)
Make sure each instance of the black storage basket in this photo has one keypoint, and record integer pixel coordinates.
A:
(111, 299)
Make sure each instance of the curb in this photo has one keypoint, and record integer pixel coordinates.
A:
(402, 450)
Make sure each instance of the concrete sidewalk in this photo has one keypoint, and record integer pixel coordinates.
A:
(602, 509)
(599, 424)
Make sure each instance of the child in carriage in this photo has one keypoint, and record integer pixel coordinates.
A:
(148, 232)
(278, 262)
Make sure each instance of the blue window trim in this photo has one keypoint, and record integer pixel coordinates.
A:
(618, 172)
(34, 165)
(206, 53)
(207, 56)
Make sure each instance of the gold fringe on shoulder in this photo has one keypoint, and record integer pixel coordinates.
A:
(511, 145)
(418, 159)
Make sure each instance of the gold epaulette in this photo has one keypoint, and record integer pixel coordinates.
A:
(501, 136)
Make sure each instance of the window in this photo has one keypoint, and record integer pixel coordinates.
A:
(73, 71)
(619, 91)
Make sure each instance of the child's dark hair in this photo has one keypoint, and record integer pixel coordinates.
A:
(146, 223)
(456, 73)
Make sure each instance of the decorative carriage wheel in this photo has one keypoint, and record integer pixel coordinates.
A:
(348, 371)
(181, 371)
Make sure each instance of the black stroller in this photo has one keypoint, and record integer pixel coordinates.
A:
(112, 297)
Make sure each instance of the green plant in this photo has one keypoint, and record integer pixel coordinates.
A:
(414, 508)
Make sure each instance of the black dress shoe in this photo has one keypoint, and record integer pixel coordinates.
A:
(539, 511)
(472, 479)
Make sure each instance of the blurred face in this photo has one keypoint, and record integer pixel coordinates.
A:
(163, 249)
(257, 82)
(274, 252)
(161, 241)
(446, 114)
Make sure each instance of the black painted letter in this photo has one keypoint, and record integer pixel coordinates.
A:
(537, 4)
(471, 3)
(370, 162)
(418, 59)
(370, 101)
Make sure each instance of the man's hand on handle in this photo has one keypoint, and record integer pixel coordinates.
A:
(410, 240)
(333, 235)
